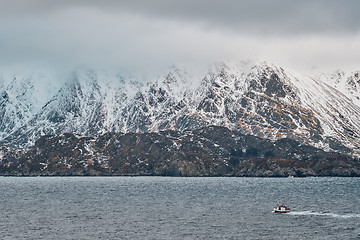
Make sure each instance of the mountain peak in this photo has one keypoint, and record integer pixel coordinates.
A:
(253, 97)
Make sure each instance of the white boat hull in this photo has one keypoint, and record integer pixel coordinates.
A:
(281, 209)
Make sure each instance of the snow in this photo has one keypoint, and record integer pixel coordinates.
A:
(99, 101)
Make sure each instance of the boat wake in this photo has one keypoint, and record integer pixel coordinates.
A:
(335, 215)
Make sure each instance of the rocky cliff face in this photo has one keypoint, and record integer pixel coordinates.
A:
(259, 99)
(209, 151)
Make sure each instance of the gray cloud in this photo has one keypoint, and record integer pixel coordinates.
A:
(300, 33)
(255, 16)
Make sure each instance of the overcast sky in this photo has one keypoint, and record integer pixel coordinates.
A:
(300, 34)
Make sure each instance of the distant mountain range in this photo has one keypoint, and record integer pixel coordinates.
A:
(254, 98)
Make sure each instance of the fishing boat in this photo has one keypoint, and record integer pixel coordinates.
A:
(281, 209)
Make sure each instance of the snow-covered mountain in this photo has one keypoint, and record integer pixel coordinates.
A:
(348, 82)
(259, 98)
(22, 95)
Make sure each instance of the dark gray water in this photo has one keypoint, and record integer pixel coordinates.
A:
(178, 208)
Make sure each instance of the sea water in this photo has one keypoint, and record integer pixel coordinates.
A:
(178, 208)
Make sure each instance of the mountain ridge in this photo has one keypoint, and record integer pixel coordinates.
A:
(260, 99)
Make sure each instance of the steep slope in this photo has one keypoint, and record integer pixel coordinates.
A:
(85, 104)
(259, 99)
(337, 112)
(21, 97)
(347, 82)
(157, 104)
